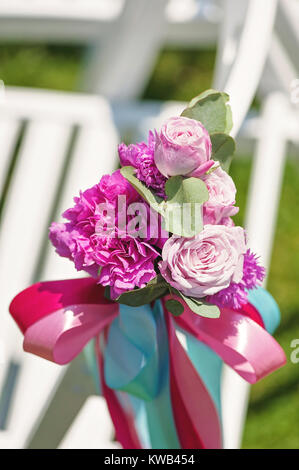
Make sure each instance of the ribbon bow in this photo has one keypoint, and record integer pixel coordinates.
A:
(160, 374)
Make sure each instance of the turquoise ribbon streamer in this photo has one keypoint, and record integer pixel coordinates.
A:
(267, 308)
(136, 361)
(207, 364)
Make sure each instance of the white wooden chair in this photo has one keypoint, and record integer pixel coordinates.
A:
(68, 141)
(240, 61)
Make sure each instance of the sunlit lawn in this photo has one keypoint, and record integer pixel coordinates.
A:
(274, 405)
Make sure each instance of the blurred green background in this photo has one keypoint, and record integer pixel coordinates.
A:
(179, 75)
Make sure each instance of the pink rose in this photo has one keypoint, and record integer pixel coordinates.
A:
(183, 147)
(204, 264)
(222, 198)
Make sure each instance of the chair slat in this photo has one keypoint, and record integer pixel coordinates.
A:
(99, 9)
(9, 130)
(249, 62)
(35, 386)
(95, 154)
(26, 215)
(29, 202)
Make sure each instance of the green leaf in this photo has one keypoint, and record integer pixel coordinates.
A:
(209, 310)
(182, 213)
(156, 288)
(172, 186)
(183, 209)
(154, 201)
(175, 307)
(212, 110)
(200, 307)
(181, 190)
(223, 148)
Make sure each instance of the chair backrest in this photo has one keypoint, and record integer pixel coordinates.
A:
(52, 145)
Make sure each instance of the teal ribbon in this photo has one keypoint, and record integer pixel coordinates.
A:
(267, 308)
(136, 362)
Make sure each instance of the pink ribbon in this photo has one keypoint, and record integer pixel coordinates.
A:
(193, 407)
(58, 318)
(241, 342)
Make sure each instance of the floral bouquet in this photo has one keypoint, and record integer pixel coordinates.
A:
(173, 289)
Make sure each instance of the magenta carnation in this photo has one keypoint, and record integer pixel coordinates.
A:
(141, 157)
(235, 295)
(120, 262)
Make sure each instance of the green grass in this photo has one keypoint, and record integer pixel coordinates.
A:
(181, 75)
(41, 66)
(274, 404)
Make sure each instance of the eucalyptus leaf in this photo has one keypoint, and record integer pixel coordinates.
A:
(181, 190)
(201, 308)
(156, 288)
(174, 307)
(154, 201)
(209, 310)
(183, 209)
(212, 110)
(184, 220)
(223, 148)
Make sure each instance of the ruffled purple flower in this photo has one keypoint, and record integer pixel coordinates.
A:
(141, 157)
(235, 295)
(253, 273)
(93, 240)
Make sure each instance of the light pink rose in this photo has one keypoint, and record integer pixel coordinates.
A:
(204, 264)
(222, 198)
(183, 147)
